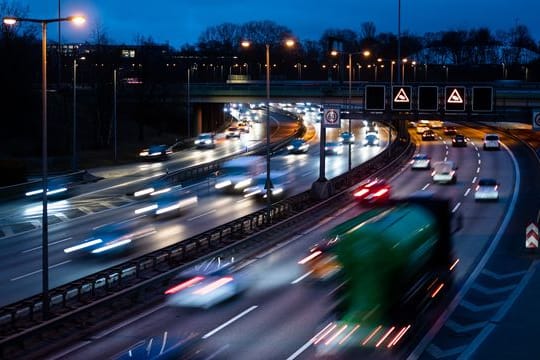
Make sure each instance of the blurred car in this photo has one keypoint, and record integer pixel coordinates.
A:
(167, 203)
(56, 189)
(232, 131)
(371, 140)
(235, 175)
(411, 124)
(111, 238)
(346, 137)
(206, 286)
(372, 129)
(421, 127)
(205, 141)
(298, 146)
(459, 140)
(444, 172)
(429, 135)
(450, 130)
(486, 189)
(164, 347)
(372, 191)
(435, 124)
(156, 152)
(492, 142)
(243, 126)
(258, 186)
(420, 161)
(321, 263)
(333, 148)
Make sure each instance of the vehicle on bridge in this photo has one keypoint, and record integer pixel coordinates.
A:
(371, 139)
(421, 161)
(429, 135)
(459, 140)
(333, 148)
(486, 189)
(346, 137)
(395, 262)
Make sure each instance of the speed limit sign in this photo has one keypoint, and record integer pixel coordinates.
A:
(331, 118)
(536, 120)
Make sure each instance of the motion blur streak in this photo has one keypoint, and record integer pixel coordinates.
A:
(373, 333)
(310, 257)
(183, 285)
(213, 286)
(454, 264)
(356, 327)
(329, 341)
(399, 336)
(437, 290)
(111, 246)
(329, 328)
(385, 336)
(82, 246)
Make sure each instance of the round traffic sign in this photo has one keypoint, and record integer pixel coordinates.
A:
(537, 119)
(331, 116)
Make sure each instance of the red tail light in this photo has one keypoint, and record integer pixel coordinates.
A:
(361, 192)
(381, 192)
(184, 285)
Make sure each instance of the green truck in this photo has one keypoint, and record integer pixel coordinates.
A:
(395, 261)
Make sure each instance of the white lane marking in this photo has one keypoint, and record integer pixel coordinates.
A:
(39, 247)
(125, 183)
(477, 170)
(446, 153)
(479, 161)
(456, 207)
(38, 271)
(478, 154)
(467, 192)
(445, 158)
(306, 173)
(426, 186)
(201, 215)
(229, 322)
(301, 277)
(474, 180)
(301, 350)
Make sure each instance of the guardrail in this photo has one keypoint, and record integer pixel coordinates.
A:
(127, 284)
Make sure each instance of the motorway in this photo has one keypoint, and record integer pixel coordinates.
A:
(105, 202)
(279, 315)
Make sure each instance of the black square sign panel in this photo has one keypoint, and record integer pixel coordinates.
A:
(482, 98)
(401, 97)
(374, 97)
(428, 98)
(454, 98)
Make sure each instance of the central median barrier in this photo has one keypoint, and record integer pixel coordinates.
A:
(85, 305)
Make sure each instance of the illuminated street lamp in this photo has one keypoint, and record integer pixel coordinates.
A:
(403, 62)
(268, 185)
(78, 20)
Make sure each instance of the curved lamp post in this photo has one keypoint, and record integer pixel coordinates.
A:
(268, 185)
(78, 20)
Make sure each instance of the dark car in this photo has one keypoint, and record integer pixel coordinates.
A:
(459, 140)
(429, 135)
(298, 146)
(156, 152)
(346, 137)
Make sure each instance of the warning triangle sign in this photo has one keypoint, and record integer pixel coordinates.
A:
(455, 98)
(401, 96)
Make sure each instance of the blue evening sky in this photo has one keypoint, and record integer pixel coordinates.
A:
(178, 22)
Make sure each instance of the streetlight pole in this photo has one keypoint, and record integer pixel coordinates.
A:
(74, 159)
(44, 155)
(350, 107)
(399, 40)
(268, 185)
(403, 62)
(115, 118)
(188, 109)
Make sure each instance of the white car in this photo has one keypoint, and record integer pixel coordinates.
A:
(420, 161)
(487, 189)
(444, 172)
(421, 127)
(492, 142)
(205, 141)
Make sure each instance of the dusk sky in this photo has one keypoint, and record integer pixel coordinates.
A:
(178, 22)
